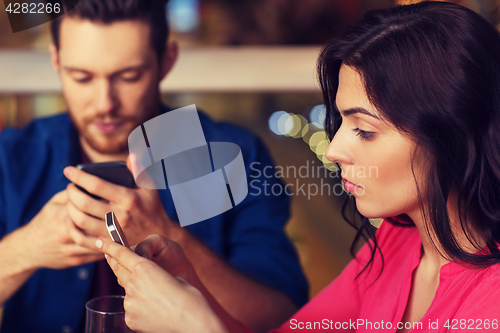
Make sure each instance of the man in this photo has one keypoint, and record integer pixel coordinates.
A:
(111, 56)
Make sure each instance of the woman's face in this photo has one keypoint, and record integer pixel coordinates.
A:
(374, 156)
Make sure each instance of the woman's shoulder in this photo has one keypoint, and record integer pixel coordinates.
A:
(480, 293)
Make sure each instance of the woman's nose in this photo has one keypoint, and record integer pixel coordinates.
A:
(338, 150)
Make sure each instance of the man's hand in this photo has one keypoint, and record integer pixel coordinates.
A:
(139, 211)
(50, 237)
(49, 240)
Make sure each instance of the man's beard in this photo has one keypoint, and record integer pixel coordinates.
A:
(110, 146)
(113, 144)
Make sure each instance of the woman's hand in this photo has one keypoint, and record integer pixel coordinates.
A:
(168, 255)
(156, 300)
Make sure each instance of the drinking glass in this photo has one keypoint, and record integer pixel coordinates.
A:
(106, 315)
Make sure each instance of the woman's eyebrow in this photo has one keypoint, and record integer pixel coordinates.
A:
(351, 111)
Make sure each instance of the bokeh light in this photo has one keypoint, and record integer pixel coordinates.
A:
(273, 121)
(321, 147)
(315, 139)
(317, 115)
(292, 125)
(281, 123)
(307, 131)
(184, 15)
(296, 126)
(303, 123)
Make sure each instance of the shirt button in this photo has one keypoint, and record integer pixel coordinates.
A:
(83, 273)
(66, 329)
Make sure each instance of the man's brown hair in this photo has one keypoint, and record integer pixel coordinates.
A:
(153, 12)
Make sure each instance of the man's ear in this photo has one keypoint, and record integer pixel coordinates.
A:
(54, 56)
(169, 58)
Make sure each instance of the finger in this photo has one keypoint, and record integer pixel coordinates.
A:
(120, 253)
(165, 253)
(84, 259)
(76, 250)
(60, 197)
(134, 165)
(78, 236)
(131, 163)
(86, 203)
(137, 168)
(151, 246)
(88, 224)
(94, 184)
(180, 278)
(122, 273)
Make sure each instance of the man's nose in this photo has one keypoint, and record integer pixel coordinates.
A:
(106, 99)
(338, 149)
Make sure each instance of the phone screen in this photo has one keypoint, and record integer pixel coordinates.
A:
(113, 172)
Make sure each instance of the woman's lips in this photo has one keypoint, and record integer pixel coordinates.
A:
(350, 187)
(108, 127)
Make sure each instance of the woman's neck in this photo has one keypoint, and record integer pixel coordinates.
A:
(432, 250)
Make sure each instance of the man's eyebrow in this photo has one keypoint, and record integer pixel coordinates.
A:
(351, 111)
(75, 69)
(130, 68)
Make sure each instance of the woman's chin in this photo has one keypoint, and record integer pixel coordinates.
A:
(369, 212)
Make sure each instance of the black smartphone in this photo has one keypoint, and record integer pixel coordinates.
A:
(113, 172)
(115, 230)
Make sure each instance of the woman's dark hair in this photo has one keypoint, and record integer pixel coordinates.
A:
(433, 70)
(152, 12)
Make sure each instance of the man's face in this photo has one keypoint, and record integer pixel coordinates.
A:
(110, 76)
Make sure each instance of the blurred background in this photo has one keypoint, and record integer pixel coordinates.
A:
(248, 62)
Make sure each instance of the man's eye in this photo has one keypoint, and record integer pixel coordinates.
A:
(131, 78)
(82, 79)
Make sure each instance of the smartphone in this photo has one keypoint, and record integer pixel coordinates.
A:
(113, 172)
(114, 229)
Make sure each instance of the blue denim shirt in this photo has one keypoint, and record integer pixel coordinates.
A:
(250, 236)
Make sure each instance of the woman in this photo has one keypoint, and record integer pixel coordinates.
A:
(413, 93)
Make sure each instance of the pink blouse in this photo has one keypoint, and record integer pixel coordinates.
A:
(467, 299)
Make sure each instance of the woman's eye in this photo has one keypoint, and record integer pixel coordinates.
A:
(364, 134)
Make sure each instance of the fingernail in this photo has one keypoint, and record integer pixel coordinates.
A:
(106, 256)
(67, 171)
(98, 243)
